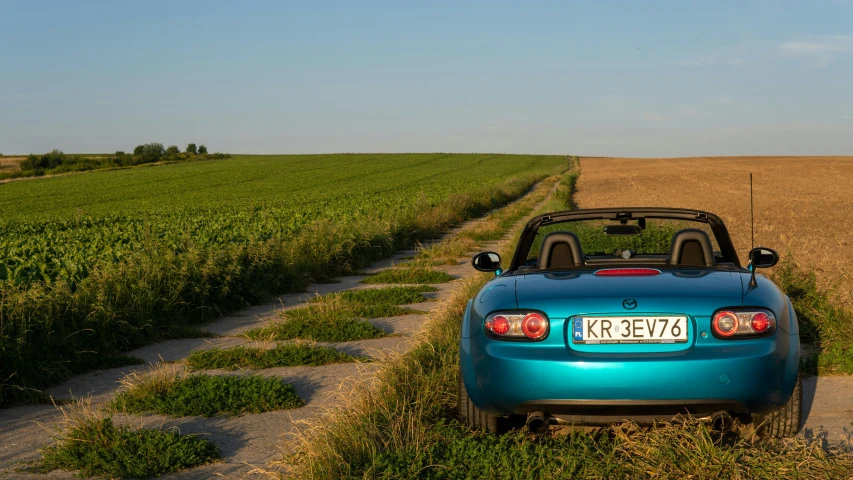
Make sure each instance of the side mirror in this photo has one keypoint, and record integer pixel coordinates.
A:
(763, 257)
(487, 262)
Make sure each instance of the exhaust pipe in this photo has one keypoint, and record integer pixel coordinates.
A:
(721, 421)
(538, 422)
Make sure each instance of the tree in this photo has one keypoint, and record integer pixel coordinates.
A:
(202, 149)
(172, 151)
(191, 148)
(119, 153)
(138, 149)
(152, 152)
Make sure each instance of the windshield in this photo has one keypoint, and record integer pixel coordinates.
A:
(635, 241)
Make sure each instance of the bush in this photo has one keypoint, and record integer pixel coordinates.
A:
(119, 153)
(202, 150)
(138, 150)
(49, 160)
(191, 148)
(172, 151)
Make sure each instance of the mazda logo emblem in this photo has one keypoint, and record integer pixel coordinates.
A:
(629, 303)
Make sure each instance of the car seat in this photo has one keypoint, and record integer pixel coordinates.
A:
(560, 250)
(692, 247)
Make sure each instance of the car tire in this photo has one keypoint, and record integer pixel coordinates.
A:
(473, 417)
(785, 422)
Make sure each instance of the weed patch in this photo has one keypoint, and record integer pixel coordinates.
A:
(170, 391)
(387, 295)
(323, 326)
(101, 448)
(422, 275)
(90, 443)
(286, 355)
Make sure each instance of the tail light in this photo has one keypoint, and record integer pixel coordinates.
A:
(517, 326)
(742, 323)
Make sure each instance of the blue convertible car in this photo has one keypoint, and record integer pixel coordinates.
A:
(642, 314)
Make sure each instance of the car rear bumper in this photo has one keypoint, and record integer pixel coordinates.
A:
(750, 376)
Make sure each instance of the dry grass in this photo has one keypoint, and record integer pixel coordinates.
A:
(11, 164)
(803, 205)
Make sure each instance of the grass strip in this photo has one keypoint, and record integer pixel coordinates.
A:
(387, 295)
(97, 447)
(625, 451)
(823, 322)
(285, 355)
(171, 391)
(422, 275)
(402, 426)
(341, 317)
(312, 323)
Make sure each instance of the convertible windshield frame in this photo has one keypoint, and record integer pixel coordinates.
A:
(528, 235)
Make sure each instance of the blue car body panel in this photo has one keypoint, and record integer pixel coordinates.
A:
(754, 375)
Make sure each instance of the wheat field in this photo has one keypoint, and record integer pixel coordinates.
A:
(803, 205)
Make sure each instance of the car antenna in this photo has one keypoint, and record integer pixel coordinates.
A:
(752, 282)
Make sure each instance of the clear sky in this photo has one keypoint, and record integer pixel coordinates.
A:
(591, 78)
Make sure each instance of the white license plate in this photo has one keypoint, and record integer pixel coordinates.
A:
(592, 330)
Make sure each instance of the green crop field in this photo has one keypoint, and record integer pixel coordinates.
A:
(96, 263)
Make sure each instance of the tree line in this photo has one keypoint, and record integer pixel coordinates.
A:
(57, 161)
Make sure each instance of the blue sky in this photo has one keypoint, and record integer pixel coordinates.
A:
(592, 78)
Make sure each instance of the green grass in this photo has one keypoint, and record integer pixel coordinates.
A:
(285, 355)
(108, 261)
(98, 447)
(183, 395)
(327, 326)
(422, 275)
(823, 322)
(341, 317)
(387, 295)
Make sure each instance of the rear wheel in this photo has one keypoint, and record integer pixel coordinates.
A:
(786, 421)
(472, 416)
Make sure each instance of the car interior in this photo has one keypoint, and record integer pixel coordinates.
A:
(690, 247)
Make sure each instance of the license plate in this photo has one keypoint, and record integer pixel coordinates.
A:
(592, 330)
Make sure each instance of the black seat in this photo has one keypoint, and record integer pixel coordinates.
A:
(560, 250)
(692, 247)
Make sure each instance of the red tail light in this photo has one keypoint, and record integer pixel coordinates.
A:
(760, 322)
(534, 325)
(517, 326)
(628, 272)
(499, 325)
(742, 323)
